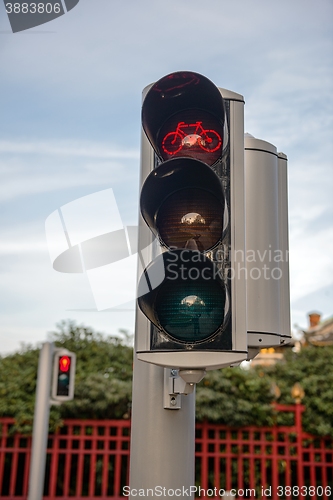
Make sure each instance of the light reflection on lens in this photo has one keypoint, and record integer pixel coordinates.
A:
(191, 218)
(192, 305)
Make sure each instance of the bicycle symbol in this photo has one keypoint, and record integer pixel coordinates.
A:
(208, 140)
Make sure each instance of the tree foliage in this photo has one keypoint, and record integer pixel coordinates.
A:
(238, 397)
(312, 368)
(102, 383)
(231, 396)
(17, 386)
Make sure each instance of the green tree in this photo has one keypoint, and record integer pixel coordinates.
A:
(18, 385)
(237, 397)
(102, 384)
(312, 368)
(231, 396)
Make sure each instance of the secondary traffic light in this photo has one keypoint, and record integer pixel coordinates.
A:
(191, 295)
(63, 375)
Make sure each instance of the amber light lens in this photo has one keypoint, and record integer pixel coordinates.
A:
(191, 218)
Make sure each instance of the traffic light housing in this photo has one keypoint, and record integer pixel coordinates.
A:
(191, 299)
(267, 247)
(64, 364)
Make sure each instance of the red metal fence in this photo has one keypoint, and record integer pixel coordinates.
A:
(89, 459)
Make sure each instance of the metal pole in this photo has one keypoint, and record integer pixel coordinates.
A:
(41, 423)
(162, 440)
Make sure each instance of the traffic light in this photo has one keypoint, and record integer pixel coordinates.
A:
(191, 293)
(63, 375)
(268, 297)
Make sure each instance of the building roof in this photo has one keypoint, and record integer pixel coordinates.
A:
(320, 334)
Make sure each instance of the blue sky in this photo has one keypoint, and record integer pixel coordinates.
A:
(70, 126)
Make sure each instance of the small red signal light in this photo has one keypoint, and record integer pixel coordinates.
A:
(64, 363)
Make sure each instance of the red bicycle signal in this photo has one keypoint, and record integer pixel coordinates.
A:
(190, 136)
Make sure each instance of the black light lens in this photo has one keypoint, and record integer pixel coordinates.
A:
(190, 312)
(190, 302)
(191, 218)
(63, 384)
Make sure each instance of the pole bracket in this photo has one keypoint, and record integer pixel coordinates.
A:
(178, 382)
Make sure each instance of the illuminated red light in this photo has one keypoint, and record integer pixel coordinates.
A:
(64, 363)
(191, 135)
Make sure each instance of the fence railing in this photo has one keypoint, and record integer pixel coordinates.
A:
(89, 459)
(253, 461)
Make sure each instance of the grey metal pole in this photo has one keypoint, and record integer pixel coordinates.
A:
(41, 423)
(162, 440)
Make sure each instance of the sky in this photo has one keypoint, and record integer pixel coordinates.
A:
(70, 93)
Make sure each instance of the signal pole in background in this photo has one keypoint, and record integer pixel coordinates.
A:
(41, 423)
(61, 363)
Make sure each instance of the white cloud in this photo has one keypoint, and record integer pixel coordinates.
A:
(40, 166)
(22, 247)
(311, 262)
(67, 148)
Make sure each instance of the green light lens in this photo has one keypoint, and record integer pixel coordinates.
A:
(191, 312)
